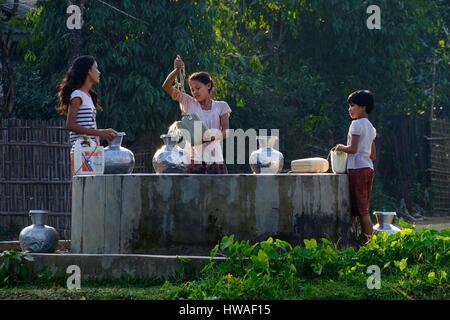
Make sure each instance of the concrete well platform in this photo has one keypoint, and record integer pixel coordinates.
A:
(119, 266)
(189, 214)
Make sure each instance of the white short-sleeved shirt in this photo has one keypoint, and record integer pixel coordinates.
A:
(86, 115)
(211, 151)
(367, 133)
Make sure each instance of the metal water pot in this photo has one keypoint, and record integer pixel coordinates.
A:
(118, 160)
(170, 158)
(384, 222)
(38, 237)
(266, 159)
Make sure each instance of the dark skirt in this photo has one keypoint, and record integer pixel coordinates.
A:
(360, 183)
(205, 168)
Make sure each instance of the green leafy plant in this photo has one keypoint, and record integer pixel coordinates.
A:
(13, 267)
(275, 268)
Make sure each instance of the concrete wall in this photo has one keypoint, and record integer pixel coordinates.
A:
(118, 266)
(189, 214)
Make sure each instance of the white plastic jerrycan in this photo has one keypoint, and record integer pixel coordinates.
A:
(87, 157)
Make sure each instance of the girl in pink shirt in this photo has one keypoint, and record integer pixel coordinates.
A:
(208, 157)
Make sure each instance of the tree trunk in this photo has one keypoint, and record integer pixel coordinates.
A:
(2, 99)
(6, 50)
(15, 7)
(11, 96)
(7, 46)
(75, 34)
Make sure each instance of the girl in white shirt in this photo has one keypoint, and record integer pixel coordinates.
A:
(361, 154)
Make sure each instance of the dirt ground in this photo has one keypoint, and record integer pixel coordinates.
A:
(438, 223)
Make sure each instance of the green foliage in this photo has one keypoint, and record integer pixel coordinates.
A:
(274, 268)
(13, 267)
(134, 58)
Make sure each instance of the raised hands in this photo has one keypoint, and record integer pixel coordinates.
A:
(178, 63)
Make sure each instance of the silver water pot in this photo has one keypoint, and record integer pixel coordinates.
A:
(38, 237)
(170, 158)
(266, 159)
(118, 160)
(384, 222)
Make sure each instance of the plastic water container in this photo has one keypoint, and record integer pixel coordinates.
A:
(309, 165)
(338, 161)
(87, 158)
(195, 126)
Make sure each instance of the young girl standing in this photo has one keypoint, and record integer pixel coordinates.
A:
(207, 158)
(79, 102)
(361, 154)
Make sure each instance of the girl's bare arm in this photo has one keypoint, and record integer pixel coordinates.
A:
(73, 126)
(225, 125)
(352, 149)
(168, 83)
(373, 153)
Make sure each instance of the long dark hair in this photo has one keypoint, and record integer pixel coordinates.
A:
(73, 80)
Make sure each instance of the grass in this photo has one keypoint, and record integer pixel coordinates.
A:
(316, 289)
